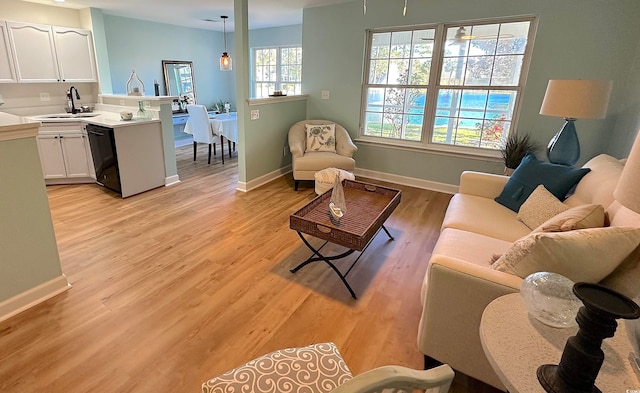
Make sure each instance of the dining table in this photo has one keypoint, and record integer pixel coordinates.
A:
(223, 125)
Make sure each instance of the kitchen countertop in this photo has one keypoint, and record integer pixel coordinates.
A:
(105, 119)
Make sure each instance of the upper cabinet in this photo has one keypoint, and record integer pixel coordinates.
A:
(44, 53)
(7, 70)
(74, 48)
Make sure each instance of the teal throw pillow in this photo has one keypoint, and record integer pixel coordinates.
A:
(558, 179)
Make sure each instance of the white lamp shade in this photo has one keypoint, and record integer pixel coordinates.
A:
(225, 62)
(627, 191)
(576, 99)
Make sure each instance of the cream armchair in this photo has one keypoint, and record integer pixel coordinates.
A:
(306, 164)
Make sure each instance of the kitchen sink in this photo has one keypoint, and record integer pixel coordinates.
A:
(67, 116)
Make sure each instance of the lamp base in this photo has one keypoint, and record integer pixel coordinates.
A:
(564, 147)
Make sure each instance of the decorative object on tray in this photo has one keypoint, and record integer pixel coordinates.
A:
(126, 115)
(337, 203)
(582, 356)
(549, 298)
(135, 87)
(277, 93)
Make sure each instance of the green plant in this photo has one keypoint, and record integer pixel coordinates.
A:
(515, 148)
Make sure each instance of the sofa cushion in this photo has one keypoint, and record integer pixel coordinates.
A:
(483, 216)
(581, 255)
(321, 137)
(597, 186)
(579, 217)
(466, 246)
(531, 172)
(539, 207)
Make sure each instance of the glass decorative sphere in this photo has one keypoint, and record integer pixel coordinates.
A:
(549, 298)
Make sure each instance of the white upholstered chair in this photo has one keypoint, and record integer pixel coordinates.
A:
(201, 129)
(305, 163)
(319, 368)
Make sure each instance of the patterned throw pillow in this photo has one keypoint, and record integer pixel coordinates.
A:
(315, 368)
(539, 207)
(579, 217)
(581, 255)
(321, 137)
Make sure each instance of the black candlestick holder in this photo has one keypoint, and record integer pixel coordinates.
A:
(582, 356)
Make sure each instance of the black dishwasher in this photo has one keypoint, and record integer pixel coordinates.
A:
(105, 158)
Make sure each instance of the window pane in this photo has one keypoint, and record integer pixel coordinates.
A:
(380, 45)
(507, 70)
(398, 72)
(513, 38)
(395, 113)
(474, 118)
(453, 70)
(478, 70)
(401, 44)
(378, 71)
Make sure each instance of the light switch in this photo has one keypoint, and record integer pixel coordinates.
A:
(325, 94)
(255, 114)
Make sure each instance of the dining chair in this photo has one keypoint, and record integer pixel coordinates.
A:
(201, 129)
(319, 368)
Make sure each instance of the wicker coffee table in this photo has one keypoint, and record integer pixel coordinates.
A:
(368, 207)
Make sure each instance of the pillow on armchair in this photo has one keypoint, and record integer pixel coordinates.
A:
(321, 137)
(557, 179)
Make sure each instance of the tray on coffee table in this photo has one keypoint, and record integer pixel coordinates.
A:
(368, 207)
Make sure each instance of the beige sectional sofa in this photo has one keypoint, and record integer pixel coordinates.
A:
(460, 281)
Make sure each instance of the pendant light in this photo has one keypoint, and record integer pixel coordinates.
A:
(225, 60)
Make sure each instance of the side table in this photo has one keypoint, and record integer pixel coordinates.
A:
(516, 344)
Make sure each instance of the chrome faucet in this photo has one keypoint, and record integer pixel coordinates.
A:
(74, 110)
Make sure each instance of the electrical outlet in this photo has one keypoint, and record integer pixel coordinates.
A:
(45, 97)
(147, 104)
(284, 151)
(325, 94)
(255, 114)
(121, 102)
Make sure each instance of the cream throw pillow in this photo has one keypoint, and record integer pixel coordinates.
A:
(321, 137)
(579, 217)
(540, 206)
(581, 255)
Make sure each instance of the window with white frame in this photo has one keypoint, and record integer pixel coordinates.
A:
(277, 68)
(454, 85)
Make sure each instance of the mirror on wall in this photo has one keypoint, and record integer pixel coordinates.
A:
(179, 80)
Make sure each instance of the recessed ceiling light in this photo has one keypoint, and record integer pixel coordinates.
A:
(58, 1)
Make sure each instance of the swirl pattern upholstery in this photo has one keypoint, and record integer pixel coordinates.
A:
(316, 368)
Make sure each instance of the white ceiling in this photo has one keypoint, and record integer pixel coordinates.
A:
(190, 13)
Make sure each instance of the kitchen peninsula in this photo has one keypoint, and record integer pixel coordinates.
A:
(128, 156)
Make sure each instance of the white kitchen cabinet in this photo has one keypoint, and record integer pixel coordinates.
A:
(76, 60)
(65, 154)
(7, 69)
(44, 53)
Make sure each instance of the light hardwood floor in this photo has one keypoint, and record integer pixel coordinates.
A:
(181, 283)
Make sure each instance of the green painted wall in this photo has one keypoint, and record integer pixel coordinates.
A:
(28, 250)
(576, 39)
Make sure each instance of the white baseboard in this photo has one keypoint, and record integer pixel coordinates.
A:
(407, 181)
(171, 180)
(264, 179)
(33, 296)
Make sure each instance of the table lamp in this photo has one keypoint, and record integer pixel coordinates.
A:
(571, 100)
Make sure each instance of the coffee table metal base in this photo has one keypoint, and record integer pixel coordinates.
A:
(316, 257)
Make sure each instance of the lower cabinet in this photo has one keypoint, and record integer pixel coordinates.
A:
(65, 154)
